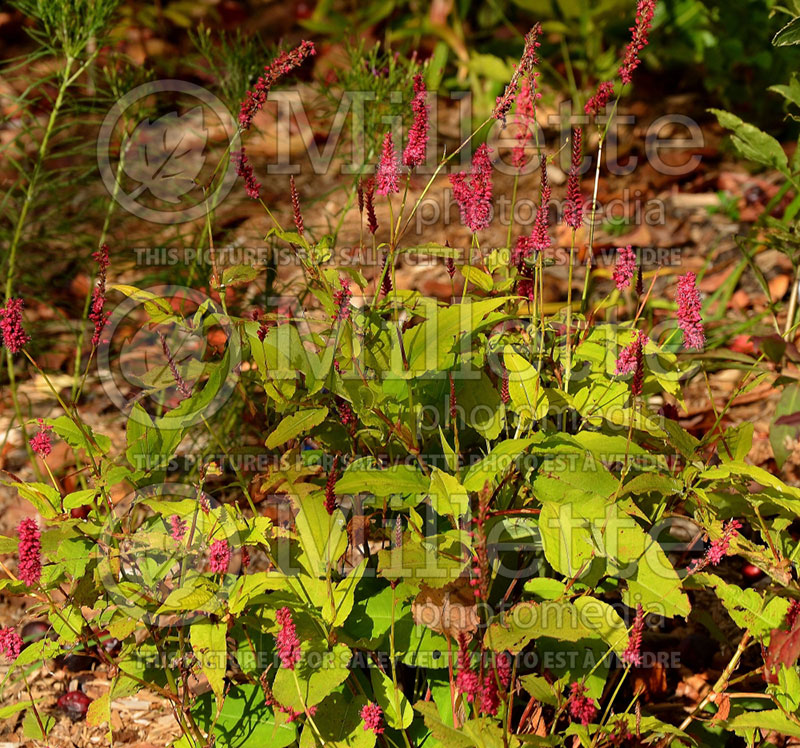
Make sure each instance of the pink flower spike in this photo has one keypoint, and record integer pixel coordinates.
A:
(503, 662)
(29, 567)
(468, 682)
(624, 267)
(626, 362)
(524, 70)
(718, 549)
(690, 319)
(474, 198)
(490, 698)
(40, 443)
(97, 313)
(341, 299)
(219, 557)
(286, 640)
(639, 32)
(372, 715)
(14, 336)
(298, 216)
(633, 652)
(581, 707)
(177, 527)
(573, 207)
(282, 65)
(599, 101)
(414, 153)
(244, 169)
(386, 177)
(10, 643)
(525, 118)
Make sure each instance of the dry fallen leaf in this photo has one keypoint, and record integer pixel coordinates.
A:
(450, 610)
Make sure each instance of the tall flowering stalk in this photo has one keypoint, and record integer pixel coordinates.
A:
(298, 216)
(244, 169)
(573, 217)
(180, 382)
(639, 33)
(524, 70)
(573, 207)
(414, 154)
(474, 194)
(387, 178)
(369, 204)
(341, 300)
(633, 652)
(330, 487)
(690, 319)
(282, 65)
(97, 313)
(599, 101)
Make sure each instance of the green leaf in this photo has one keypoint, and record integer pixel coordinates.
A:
(343, 597)
(396, 709)
(208, 640)
(482, 407)
(319, 673)
(447, 736)
(245, 721)
(599, 617)
(295, 424)
(338, 719)
(68, 623)
(396, 479)
(238, 275)
(559, 619)
(788, 405)
(45, 499)
(752, 143)
(448, 496)
(100, 710)
(788, 35)
(430, 346)
(31, 727)
(477, 277)
(538, 687)
(771, 719)
(567, 537)
(747, 608)
(496, 462)
(791, 92)
(524, 387)
(80, 438)
(9, 710)
(79, 498)
(322, 536)
(191, 596)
